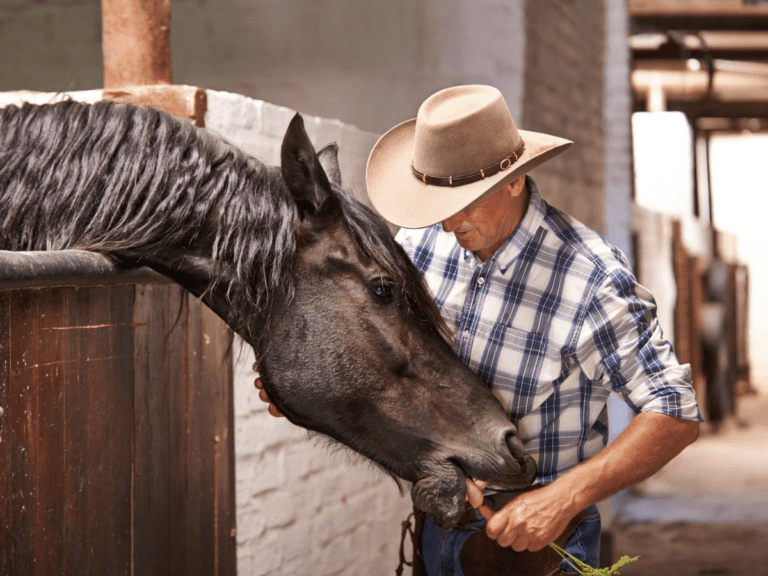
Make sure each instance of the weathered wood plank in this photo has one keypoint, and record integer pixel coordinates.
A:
(178, 427)
(99, 477)
(107, 446)
(200, 541)
(75, 439)
(219, 366)
(21, 411)
(7, 546)
(152, 449)
(49, 429)
(122, 378)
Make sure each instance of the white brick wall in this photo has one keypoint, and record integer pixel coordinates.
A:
(563, 95)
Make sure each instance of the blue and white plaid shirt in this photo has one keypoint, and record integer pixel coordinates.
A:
(553, 322)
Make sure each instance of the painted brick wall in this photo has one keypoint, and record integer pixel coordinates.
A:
(563, 95)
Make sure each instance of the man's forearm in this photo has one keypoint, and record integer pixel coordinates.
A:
(642, 449)
(536, 518)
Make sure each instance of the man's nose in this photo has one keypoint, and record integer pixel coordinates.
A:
(450, 224)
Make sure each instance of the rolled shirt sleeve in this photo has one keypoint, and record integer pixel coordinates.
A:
(622, 345)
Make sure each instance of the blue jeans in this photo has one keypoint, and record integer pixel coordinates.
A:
(442, 550)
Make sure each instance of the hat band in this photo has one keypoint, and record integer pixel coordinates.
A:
(495, 168)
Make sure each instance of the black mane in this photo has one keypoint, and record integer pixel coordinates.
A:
(134, 182)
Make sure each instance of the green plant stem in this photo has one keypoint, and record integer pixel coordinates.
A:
(586, 569)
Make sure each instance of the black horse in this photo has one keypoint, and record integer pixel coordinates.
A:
(348, 340)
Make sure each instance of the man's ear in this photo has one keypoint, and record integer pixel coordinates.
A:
(302, 172)
(517, 186)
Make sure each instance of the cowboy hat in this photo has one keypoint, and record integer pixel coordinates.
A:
(462, 146)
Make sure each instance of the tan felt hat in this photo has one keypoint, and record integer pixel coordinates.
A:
(462, 146)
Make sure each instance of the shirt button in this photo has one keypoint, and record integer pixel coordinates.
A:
(480, 281)
(465, 334)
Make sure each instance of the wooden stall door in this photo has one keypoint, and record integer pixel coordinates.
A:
(116, 433)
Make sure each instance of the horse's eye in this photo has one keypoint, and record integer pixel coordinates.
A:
(383, 291)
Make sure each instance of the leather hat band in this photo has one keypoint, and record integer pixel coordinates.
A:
(504, 164)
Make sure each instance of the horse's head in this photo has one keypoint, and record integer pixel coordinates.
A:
(357, 353)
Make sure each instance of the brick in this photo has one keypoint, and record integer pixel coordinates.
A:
(233, 114)
(335, 556)
(262, 472)
(307, 458)
(280, 508)
(330, 523)
(275, 120)
(251, 528)
(297, 542)
(268, 558)
(277, 432)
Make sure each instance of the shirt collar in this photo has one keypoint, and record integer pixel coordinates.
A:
(514, 244)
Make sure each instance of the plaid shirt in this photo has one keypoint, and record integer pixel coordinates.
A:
(553, 322)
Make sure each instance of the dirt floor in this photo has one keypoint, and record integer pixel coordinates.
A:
(693, 549)
(706, 513)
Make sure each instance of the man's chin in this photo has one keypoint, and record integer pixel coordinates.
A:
(467, 240)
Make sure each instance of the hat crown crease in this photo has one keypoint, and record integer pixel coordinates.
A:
(464, 133)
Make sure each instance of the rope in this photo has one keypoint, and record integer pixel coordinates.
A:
(407, 529)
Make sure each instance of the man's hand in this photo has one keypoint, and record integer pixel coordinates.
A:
(263, 394)
(530, 521)
(536, 518)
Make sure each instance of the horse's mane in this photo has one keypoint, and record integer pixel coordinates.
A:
(132, 182)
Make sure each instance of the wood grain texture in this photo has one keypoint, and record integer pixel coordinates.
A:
(116, 432)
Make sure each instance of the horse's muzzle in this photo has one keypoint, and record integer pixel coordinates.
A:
(503, 463)
(441, 489)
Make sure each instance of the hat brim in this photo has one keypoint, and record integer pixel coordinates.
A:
(404, 200)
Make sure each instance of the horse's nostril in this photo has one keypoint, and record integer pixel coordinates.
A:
(513, 442)
(515, 446)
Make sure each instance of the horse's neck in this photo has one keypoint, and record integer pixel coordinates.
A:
(201, 277)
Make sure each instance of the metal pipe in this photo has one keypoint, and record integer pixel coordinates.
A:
(68, 268)
(136, 42)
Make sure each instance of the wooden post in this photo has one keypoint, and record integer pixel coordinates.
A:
(136, 42)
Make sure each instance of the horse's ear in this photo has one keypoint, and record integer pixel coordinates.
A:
(302, 172)
(329, 160)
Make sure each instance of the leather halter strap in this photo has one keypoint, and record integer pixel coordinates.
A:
(495, 168)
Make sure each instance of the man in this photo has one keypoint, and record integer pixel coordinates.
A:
(542, 308)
